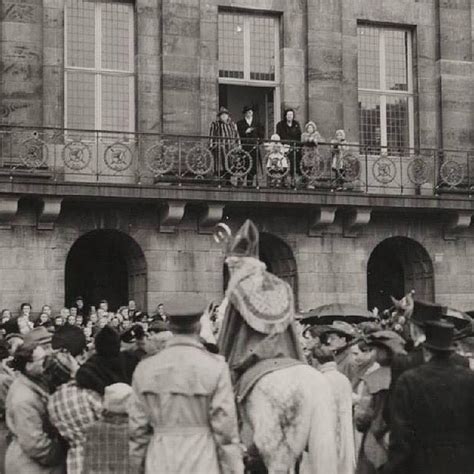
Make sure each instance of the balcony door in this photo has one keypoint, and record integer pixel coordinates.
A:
(262, 99)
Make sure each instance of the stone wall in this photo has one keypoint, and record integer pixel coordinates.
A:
(177, 63)
(329, 268)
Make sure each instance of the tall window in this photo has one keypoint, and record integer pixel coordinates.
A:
(99, 62)
(385, 77)
(248, 47)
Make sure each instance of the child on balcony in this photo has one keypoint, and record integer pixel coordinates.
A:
(338, 148)
(277, 162)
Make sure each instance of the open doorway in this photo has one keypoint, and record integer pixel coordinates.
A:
(396, 266)
(262, 99)
(106, 264)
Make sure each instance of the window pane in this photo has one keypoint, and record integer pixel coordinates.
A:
(80, 30)
(116, 103)
(369, 122)
(231, 45)
(397, 123)
(80, 96)
(116, 35)
(369, 57)
(396, 60)
(262, 48)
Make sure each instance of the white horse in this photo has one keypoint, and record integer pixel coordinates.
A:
(288, 411)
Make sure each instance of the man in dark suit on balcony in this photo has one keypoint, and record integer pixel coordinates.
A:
(250, 132)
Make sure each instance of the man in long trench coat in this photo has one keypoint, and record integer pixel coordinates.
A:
(182, 416)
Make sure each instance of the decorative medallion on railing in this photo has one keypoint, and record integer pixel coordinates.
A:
(76, 155)
(118, 157)
(418, 171)
(384, 170)
(351, 167)
(33, 153)
(238, 162)
(276, 165)
(312, 165)
(161, 158)
(199, 160)
(452, 173)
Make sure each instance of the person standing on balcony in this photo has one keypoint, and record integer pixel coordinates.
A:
(310, 139)
(224, 137)
(338, 148)
(250, 132)
(290, 130)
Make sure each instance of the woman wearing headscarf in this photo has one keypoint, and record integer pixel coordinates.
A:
(108, 365)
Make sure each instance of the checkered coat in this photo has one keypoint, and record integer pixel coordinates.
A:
(106, 446)
(72, 410)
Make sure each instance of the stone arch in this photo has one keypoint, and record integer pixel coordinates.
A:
(106, 264)
(396, 266)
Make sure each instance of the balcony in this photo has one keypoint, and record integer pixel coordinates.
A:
(142, 159)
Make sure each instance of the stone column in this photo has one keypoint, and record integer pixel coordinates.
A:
(325, 94)
(53, 63)
(181, 48)
(456, 73)
(293, 60)
(21, 62)
(208, 65)
(149, 65)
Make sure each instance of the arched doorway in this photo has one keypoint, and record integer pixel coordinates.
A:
(279, 259)
(106, 264)
(396, 266)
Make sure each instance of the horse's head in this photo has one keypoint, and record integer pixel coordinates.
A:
(404, 306)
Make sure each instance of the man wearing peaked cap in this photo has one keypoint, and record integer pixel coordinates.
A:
(200, 411)
(432, 428)
(185, 309)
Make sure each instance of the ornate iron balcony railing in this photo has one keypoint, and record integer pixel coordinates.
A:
(157, 159)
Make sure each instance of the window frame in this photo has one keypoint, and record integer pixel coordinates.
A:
(382, 93)
(99, 72)
(246, 81)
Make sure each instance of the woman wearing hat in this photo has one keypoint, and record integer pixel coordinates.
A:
(224, 137)
(35, 447)
(369, 411)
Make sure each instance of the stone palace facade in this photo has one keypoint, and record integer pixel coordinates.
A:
(108, 181)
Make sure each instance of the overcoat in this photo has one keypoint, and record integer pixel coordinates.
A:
(433, 420)
(35, 448)
(182, 416)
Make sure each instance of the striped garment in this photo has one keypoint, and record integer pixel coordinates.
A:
(224, 135)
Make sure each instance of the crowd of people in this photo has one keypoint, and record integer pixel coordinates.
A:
(289, 157)
(235, 387)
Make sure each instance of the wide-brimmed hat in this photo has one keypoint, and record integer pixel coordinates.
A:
(424, 312)
(222, 110)
(341, 328)
(439, 336)
(247, 108)
(389, 339)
